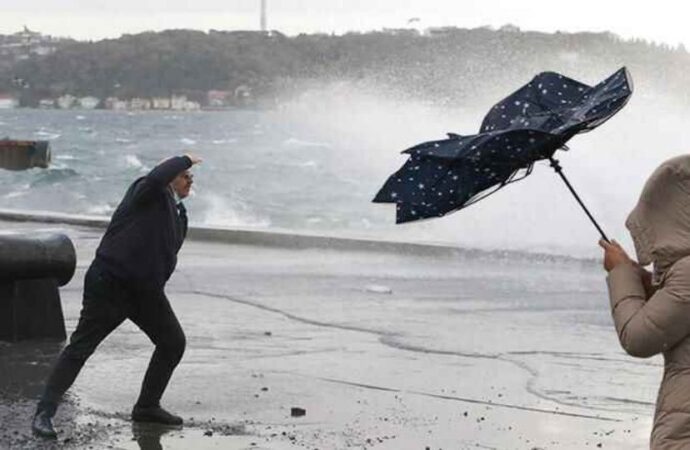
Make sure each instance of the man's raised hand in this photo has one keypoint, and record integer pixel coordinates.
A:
(193, 158)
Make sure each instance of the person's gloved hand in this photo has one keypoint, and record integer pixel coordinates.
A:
(614, 255)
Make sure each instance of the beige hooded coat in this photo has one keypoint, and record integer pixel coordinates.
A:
(657, 320)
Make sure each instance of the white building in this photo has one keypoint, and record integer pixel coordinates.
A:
(66, 101)
(8, 102)
(192, 106)
(46, 103)
(116, 104)
(139, 104)
(243, 92)
(160, 103)
(23, 44)
(89, 102)
(178, 102)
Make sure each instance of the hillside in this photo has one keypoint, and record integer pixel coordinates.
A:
(441, 66)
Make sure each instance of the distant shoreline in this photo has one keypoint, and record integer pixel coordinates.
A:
(445, 65)
(87, 110)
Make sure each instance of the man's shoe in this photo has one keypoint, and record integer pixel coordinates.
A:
(42, 425)
(155, 414)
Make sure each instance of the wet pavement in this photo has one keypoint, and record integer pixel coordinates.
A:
(382, 350)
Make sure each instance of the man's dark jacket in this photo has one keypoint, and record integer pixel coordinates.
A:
(147, 230)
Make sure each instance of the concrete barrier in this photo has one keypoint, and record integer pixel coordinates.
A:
(281, 238)
(32, 267)
(245, 236)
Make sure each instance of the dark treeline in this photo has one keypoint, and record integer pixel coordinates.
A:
(442, 66)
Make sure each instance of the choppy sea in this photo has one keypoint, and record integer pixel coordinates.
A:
(315, 164)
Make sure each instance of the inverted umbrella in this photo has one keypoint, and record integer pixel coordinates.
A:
(529, 125)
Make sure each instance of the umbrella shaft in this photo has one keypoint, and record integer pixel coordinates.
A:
(557, 167)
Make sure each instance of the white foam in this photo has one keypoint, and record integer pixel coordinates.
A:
(223, 212)
(295, 142)
(22, 191)
(100, 210)
(187, 141)
(134, 162)
(224, 141)
(309, 163)
(47, 134)
(15, 194)
(379, 289)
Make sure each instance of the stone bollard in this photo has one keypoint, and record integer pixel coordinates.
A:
(22, 155)
(32, 267)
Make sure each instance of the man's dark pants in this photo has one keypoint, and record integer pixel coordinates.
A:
(107, 303)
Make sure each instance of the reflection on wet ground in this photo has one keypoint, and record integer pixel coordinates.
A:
(24, 367)
(148, 435)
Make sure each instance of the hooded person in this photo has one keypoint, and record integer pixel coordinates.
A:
(651, 311)
(126, 280)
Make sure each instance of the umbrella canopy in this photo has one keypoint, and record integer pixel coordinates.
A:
(527, 126)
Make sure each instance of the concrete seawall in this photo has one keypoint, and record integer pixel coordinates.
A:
(297, 240)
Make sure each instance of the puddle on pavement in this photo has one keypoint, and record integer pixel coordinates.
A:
(156, 437)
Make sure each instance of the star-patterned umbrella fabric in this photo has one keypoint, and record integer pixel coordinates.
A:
(529, 125)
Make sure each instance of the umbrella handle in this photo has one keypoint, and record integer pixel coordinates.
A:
(557, 167)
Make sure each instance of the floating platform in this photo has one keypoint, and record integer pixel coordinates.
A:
(22, 155)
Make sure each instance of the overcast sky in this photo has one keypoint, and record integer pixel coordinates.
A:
(660, 20)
